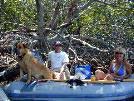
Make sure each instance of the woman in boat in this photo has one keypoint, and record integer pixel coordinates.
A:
(119, 68)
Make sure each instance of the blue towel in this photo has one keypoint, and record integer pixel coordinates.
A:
(37, 55)
(84, 71)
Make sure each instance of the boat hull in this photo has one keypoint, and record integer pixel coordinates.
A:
(3, 96)
(60, 91)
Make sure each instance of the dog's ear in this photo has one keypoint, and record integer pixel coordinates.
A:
(18, 45)
(25, 45)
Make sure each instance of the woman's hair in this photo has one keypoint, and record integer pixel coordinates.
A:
(121, 50)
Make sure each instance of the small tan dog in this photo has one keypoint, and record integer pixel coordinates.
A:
(30, 65)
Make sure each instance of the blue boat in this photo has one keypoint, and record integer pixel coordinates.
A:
(3, 96)
(69, 91)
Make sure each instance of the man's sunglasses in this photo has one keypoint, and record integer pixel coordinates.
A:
(58, 45)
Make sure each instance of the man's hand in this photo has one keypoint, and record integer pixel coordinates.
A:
(48, 64)
(61, 76)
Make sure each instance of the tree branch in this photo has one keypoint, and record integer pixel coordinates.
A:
(54, 18)
(89, 45)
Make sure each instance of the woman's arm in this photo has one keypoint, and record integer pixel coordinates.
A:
(128, 69)
(110, 68)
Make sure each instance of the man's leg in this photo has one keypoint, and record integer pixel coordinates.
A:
(67, 73)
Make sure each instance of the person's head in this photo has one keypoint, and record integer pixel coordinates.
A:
(57, 46)
(120, 54)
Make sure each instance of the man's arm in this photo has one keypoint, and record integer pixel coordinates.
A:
(63, 67)
(128, 69)
(48, 63)
(65, 62)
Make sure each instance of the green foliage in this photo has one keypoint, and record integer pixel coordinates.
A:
(107, 19)
(17, 12)
(99, 18)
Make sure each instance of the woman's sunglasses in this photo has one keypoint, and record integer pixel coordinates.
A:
(118, 53)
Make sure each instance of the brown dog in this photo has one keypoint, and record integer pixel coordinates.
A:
(30, 65)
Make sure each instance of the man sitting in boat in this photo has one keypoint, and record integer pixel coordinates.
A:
(58, 60)
(119, 68)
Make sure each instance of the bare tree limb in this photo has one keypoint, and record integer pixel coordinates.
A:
(79, 10)
(89, 45)
(73, 8)
(53, 22)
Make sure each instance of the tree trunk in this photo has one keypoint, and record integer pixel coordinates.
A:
(40, 19)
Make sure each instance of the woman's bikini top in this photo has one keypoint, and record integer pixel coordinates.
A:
(121, 71)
